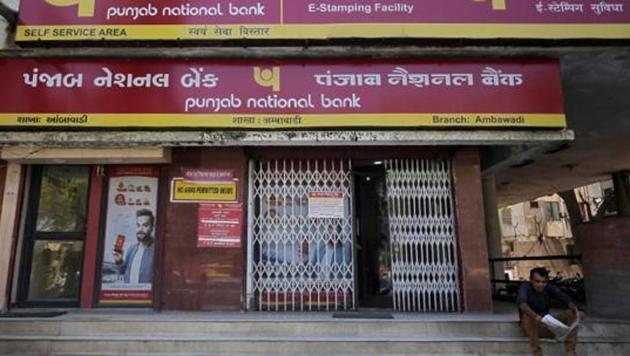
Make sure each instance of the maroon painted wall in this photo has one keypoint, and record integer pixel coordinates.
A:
(194, 278)
(201, 278)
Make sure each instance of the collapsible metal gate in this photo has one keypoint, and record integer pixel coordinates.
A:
(300, 262)
(297, 261)
(422, 234)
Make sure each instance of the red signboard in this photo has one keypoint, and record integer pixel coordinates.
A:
(143, 171)
(220, 225)
(242, 94)
(63, 20)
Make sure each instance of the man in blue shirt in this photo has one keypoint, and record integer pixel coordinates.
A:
(534, 302)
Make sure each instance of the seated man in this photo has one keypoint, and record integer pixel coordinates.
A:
(534, 303)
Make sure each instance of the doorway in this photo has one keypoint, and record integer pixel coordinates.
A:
(54, 236)
(372, 236)
(405, 237)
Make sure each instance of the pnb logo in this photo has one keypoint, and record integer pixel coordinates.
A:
(85, 7)
(268, 77)
(496, 4)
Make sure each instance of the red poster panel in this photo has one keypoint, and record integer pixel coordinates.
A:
(68, 20)
(220, 225)
(281, 94)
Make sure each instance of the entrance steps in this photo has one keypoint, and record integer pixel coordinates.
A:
(174, 333)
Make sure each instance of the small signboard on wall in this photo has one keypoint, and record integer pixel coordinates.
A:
(220, 225)
(201, 192)
(202, 185)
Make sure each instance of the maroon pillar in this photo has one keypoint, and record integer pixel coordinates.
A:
(471, 232)
(605, 246)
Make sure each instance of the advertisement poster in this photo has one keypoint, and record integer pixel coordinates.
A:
(326, 205)
(78, 93)
(72, 20)
(129, 249)
(220, 225)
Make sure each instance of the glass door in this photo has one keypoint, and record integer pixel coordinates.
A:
(54, 235)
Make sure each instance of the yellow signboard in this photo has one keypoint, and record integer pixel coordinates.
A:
(200, 192)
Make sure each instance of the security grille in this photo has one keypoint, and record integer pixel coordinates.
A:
(297, 261)
(422, 234)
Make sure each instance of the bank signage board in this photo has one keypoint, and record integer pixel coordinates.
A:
(68, 20)
(275, 94)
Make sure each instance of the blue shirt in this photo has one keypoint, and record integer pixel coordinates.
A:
(540, 302)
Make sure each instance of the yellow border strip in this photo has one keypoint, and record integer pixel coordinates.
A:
(324, 31)
(273, 121)
(107, 301)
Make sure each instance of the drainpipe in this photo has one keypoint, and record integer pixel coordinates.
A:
(493, 227)
(621, 184)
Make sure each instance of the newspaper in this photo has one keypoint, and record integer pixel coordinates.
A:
(558, 328)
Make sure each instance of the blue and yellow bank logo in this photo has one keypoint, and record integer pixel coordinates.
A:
(496, 4)
(85, 8)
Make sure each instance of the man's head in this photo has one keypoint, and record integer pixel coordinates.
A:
(144, 226)
(539, 277)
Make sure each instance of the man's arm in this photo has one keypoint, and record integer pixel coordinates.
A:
(556, 293)
(521, 301)
(529, 312)
(124, 262)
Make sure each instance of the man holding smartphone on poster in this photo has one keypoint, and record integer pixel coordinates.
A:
(137, 264)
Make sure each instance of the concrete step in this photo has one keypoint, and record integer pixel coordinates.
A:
(192, 344)
(244, 328)
(314, 334)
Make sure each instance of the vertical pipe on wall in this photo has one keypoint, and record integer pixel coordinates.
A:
(493, 227)
(250, 238)
(621, 183)
(90, 250)
(8, 218)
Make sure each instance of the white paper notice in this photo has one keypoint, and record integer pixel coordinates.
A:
(558, 328)
(326, 205)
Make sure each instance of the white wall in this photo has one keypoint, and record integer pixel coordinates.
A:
(3, 33)
(13, 4)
